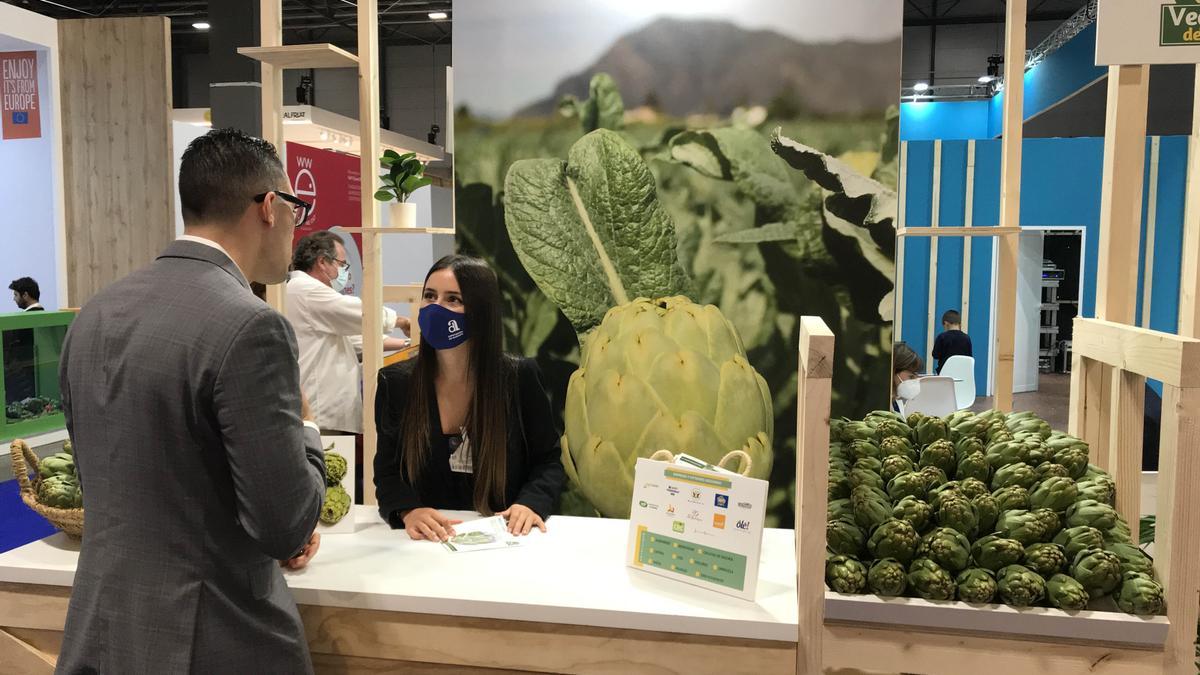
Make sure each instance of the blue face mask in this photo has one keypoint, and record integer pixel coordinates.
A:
(441, 327)
(342, 280)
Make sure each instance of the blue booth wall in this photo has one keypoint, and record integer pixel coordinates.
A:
(1060, 186)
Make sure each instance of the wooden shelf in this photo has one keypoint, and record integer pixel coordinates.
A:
(399, 230)
(978, 231)
(322, 55)
(402, 292)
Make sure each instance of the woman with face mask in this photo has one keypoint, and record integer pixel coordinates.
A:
(464, 426)
(906, 366)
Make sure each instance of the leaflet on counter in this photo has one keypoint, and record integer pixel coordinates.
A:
(481, 535)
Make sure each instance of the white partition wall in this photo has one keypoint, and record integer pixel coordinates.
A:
(1029, 312)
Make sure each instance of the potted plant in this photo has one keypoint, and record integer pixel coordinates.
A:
(406, 175)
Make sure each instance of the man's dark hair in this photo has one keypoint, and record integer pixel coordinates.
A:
(951, 317)
(222, 171)
(26, 285)
(313, 247)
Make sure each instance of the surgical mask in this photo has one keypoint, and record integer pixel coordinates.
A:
(342, 280)
(908, 390)
(442, 328)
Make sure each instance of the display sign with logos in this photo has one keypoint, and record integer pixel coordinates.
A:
(1132, 32)
(702, 526)
(19, 101)
(330, 182)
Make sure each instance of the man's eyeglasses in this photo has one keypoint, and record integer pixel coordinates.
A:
(342, 264)
(300, 208)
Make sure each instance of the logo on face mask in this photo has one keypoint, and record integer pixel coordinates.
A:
(442, 328)
(453, 326)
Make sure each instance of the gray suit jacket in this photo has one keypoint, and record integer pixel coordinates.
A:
(182, 396)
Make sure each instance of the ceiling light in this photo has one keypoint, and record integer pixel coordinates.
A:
(437, 16)
(202, 25)
(921, 86)
(984, 79)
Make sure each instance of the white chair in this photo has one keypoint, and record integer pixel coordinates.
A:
(936, 398)
(962, 370)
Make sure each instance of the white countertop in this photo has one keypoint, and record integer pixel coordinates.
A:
(573, 574)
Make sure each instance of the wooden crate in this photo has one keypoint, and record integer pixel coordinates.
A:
(916, 636)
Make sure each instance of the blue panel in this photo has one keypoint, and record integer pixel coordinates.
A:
(950, 250)
(1069, 69)
(1168, 233)
(952, 120)
(986, 212)
(918, 201)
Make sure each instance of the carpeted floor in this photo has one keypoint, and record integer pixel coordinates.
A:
(18, 524)
(1051, 401)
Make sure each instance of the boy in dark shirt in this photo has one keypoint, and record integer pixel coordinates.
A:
(952, 341)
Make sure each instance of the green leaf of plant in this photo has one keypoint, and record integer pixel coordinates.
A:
(388, 180)
(604, 109)
(414, 183)
(1146, 528)
(759, 235)
(384, 195)
(390, 154)
(741, 155)
(591, 231)
(540, 318)
(854, 197)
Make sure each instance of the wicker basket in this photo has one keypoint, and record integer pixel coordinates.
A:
(24, 462)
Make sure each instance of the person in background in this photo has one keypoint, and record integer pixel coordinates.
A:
(952, 341)
(906, 368)
(27, 295)
(463, 425)
(328, 326)
(201, 470)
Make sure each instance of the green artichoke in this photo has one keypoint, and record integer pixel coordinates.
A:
(1023, 526)
(868, 464)
(839, 484)
(1051, 524)
(976, 585)
(974, 465)
(1075, 459)
(663, 374)
(855, 431)
(877, 417)
(1020, 474)
(1091, 513)
(931, 429)
(987, 511)
(58, 464)
(335, 468)
(1028, 422)
(336, 505)
(907, 484)
(1020, 586)
(1064, 592)
(1050, 470)
(1119, 533)
(1045, 559)
(1076, 539)
(913, 420)
(1055, 493)
(896, 446)
(60, 491)
(864, 493)
(958, 514)
(1101, 488)
(887, 577)
(1005, 453)
(1133, 559)
(971, 427)
(949, 490)
(939, 454)
(969, 445)
(1139, 594)
(865, 477)
(1093, 472)
(864, 449)
(1012, 498)
(934, 477)
(870, 513)
(929, 580)
(894, 539)
(68, 448)
(840, 509)
(994, 552)
(1061, 441)
(1097, 570)
(973, 487)
(843, 537)
(894, 465)
(918, 513)
(946, 547)
(893, 429)
(844, 574)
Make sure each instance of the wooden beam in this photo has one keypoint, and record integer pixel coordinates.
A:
(1189, 288)
(898, 285)
(1121, 193)
(270, 35)
(1171, 359)
(956, 231)
(1151, 224)
(812, 476)
(1178, 523)
(934, 218)
(968, 221)
(281, 57)
(372, 255)
(19, 656)
(1004, 341)
(1125, 420)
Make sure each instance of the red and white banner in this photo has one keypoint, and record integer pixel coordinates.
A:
(19, 103)
(330, 182)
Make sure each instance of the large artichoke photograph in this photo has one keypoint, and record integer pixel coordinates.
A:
(661, 211)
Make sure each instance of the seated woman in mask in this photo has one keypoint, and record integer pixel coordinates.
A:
(464, 426)
(906, 368)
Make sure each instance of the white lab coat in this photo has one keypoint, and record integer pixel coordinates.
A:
(328, 327)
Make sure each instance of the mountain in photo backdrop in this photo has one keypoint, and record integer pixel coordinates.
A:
(696, 66)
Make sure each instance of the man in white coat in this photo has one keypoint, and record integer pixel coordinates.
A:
(328, 327)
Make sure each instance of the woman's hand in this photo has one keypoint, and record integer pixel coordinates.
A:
(522, 519)
(427, 523)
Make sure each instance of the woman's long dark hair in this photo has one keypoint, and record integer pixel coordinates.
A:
(488, 367)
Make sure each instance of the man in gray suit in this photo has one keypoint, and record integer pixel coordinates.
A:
(182, 396)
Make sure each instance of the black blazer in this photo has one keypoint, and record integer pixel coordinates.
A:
(535, 473)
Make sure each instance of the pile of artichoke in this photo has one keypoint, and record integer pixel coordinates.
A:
(59, 484)
(337, 500)
(982, 508)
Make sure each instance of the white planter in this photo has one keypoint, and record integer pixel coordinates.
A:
(402, 214)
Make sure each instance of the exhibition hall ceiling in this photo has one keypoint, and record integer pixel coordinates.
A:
(401, 22)
(960, 12)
